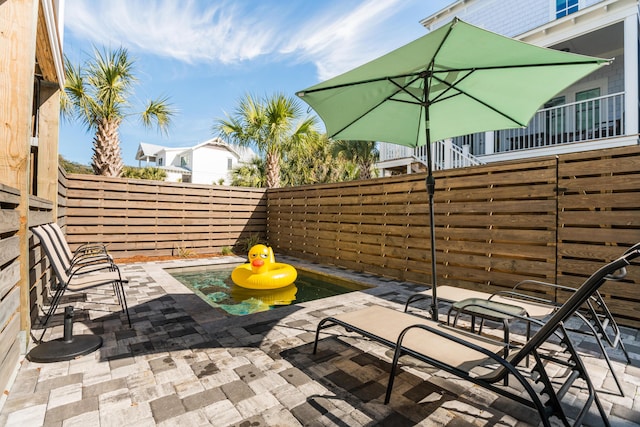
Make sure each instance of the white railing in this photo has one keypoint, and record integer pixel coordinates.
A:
(595, 118)
(445, 154)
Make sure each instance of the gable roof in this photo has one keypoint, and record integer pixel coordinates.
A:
(148, 150)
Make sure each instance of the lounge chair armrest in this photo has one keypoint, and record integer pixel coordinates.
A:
(78, 269)
(523, 297)
(504, 313)
(540, 283)
(91, 259)
(91, 247)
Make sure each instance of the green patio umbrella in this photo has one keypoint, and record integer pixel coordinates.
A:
(456, 80)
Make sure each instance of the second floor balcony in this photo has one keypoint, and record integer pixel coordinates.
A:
(595, 119)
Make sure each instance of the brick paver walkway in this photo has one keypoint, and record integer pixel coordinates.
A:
(184, 364)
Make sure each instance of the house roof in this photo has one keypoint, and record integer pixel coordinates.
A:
(148, 150)
(239, 152)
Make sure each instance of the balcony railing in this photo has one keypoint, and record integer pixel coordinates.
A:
(595, 118)
(445, 154)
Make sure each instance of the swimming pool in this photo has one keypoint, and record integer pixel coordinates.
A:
(214, 285)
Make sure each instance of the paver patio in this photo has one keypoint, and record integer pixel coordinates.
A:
(184, 364)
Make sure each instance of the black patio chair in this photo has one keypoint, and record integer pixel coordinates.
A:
(481, 360)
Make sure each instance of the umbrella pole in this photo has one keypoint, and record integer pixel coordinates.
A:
(431, 188)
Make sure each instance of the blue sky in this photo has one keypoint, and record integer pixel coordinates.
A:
(206, 55)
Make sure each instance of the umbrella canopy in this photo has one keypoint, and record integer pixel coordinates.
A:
(471, 80)
(456, 80)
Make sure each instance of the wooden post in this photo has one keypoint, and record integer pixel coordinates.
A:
(49, 116)
(18, 20)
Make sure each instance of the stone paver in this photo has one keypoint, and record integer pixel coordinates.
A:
(183, 363)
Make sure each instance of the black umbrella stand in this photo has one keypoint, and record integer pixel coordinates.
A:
(66, 348)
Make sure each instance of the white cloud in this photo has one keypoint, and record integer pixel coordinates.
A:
(188, 31)
(333, 35)
(337, 41)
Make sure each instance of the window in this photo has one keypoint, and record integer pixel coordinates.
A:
(160, 161)
(566, 7)
(229, 164)
(183, 162)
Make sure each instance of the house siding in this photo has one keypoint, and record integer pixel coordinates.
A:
(211, 164)
(511, 17)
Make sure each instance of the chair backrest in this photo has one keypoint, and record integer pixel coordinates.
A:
(57, 237)
(57, 263)
(614, 270)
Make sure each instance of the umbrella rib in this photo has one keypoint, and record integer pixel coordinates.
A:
(361, 82)
(390, 97)
(359, 117)
(448, 70)
(509, 66)
(462, 92)
(404, 89)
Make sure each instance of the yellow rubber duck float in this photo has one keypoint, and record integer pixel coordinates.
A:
(262, 271)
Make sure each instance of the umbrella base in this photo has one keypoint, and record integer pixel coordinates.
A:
(66, 348)
(60, 350)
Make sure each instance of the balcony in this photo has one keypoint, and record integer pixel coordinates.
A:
(596, 119)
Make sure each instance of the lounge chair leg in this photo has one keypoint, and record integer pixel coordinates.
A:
(392, 373)
(124, 303)
(320, 327)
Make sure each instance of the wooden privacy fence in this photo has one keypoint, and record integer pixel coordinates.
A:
(152, 218)
(494, 224)
(9, 283)
(552, 219)
(12, 300)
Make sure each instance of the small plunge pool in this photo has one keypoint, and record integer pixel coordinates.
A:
(214, 285)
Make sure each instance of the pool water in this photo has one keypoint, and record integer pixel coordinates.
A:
(214, 285)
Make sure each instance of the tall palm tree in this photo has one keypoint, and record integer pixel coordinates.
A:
(364, 153)
(273, 124)
(97, 95)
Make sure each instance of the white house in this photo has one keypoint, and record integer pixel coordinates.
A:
(599, 111)
(207, 163)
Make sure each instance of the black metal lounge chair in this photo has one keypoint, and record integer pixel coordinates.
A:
(88, 253)
(595, 314)
(79, 278)
(460, 353)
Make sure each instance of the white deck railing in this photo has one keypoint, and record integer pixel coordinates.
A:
(445, 154)
(596, 118)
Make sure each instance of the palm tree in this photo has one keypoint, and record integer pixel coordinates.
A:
(272, 124)
(251, 174)
(97, 95)
(363, 153)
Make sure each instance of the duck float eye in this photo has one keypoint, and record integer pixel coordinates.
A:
(263, 272)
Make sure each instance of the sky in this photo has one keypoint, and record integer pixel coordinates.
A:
(206, 55)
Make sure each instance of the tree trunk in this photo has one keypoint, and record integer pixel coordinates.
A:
(273, 170)
(364, 170)
(107, 158)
